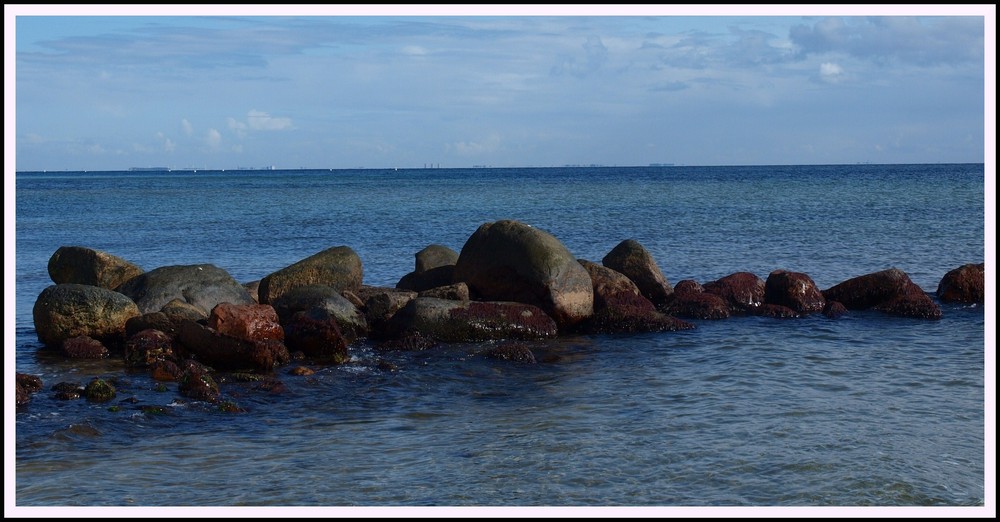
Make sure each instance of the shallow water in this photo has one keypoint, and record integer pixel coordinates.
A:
(866, 410)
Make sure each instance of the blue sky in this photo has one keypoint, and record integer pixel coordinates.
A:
(376, 87)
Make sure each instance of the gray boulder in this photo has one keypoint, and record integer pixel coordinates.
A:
(86, 266)
(632, 259)
(339, 267)
(351, 321)
(511, 261)
(70, 310)
(203, 286)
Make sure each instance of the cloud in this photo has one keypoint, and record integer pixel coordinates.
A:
(916, 41)
(475, 148)
(262, 121)
(830, 72)
(213, 139)
(258, 121)
(595, 55)
(414, 50)
(186, 125)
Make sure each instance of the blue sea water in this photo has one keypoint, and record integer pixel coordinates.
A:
(865, 410)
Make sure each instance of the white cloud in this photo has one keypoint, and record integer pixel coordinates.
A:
(259, 120)
(831, 72)
(474, 148)
(213, 139)
(186, 125)
(414, 50)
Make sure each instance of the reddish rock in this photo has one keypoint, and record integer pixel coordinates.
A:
(250, 322)
(610, 286)
(24, 386)
(350, 319)
(147, 347)
(315, 333)
(834, 309)
(301, 371)
(225, 352)
(890, 291)
(776, 311)
(965, 284)
(632, 259)
(84, 347)
(198, 385)
(743, 291)
(690, 301)
(166, 371)
(794, 290)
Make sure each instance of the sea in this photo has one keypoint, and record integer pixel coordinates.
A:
(866, 410)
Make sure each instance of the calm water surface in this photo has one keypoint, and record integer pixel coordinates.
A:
(866, 410)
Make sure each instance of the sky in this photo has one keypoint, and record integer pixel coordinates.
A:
(225, 87)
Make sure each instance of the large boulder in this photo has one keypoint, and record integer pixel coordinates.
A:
(339, 267)
(352, 321)
(203, 286)
(70, 310)
(471, 321)
(795, 290)
(511, 261)
(743, 291)
(890, 291)
(430, 278)
(965, 284)
(632, 259)
(86, 266)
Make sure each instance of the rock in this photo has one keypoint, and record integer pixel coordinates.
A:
(252, 289)
(24, 386)
(70, 310)
(339, 267)
(511, 261)
(619, 307)
(434, 256)
(351, 321)
(198, 385)
(742, 291)
(471, 321)
(432, 278)
(509, 352)
(67, 391)
(690, 300)
(301, 371)
(965, 284)
(84, 347)
(455, 292)
(99, 390)
(162, 370)
(632, 259)
(86, 266)
(315, 333)
(794, 290)
(201, 285)
(146, 347)
(890, 291)
(254, 322)
(412, 341)
(776, 311)
(834, 309)
(380, 305)
(228, 353)
(178, 310)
